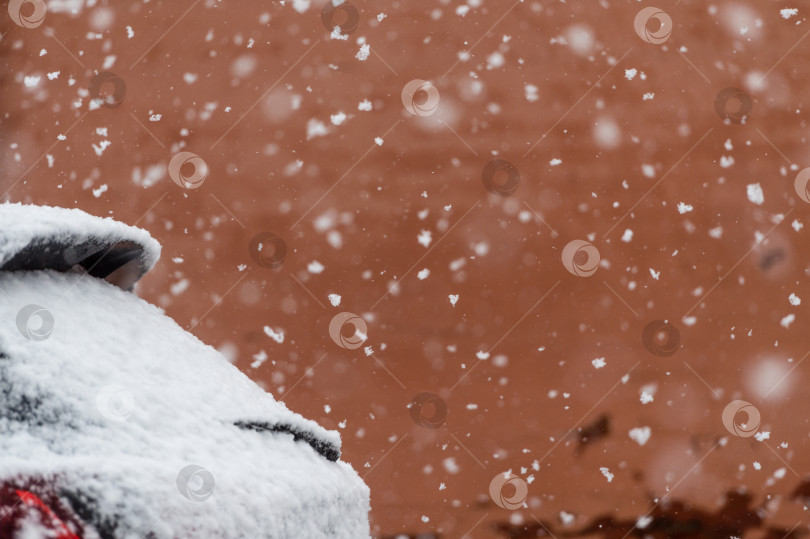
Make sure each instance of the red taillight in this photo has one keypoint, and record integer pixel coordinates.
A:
(17, 505)
(33, 500)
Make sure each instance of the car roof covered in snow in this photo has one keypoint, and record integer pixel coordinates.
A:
(103, 395)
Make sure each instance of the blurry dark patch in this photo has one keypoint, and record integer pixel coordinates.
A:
(674, 520)
(594, 432)
(802, 492)
(771, 258)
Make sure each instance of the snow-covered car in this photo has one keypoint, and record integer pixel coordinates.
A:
(117, 423)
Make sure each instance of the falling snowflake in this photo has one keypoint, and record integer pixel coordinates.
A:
(684, 207)
(755, 194)
(364, 52)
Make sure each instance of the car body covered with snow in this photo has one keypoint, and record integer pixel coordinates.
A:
(116, 422)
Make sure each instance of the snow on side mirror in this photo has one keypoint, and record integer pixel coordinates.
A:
(44, 238)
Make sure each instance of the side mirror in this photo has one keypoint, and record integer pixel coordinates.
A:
(42, 238)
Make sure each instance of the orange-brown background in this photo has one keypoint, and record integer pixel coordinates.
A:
(500, 416)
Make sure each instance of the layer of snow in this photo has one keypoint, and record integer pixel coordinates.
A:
(118, 399)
